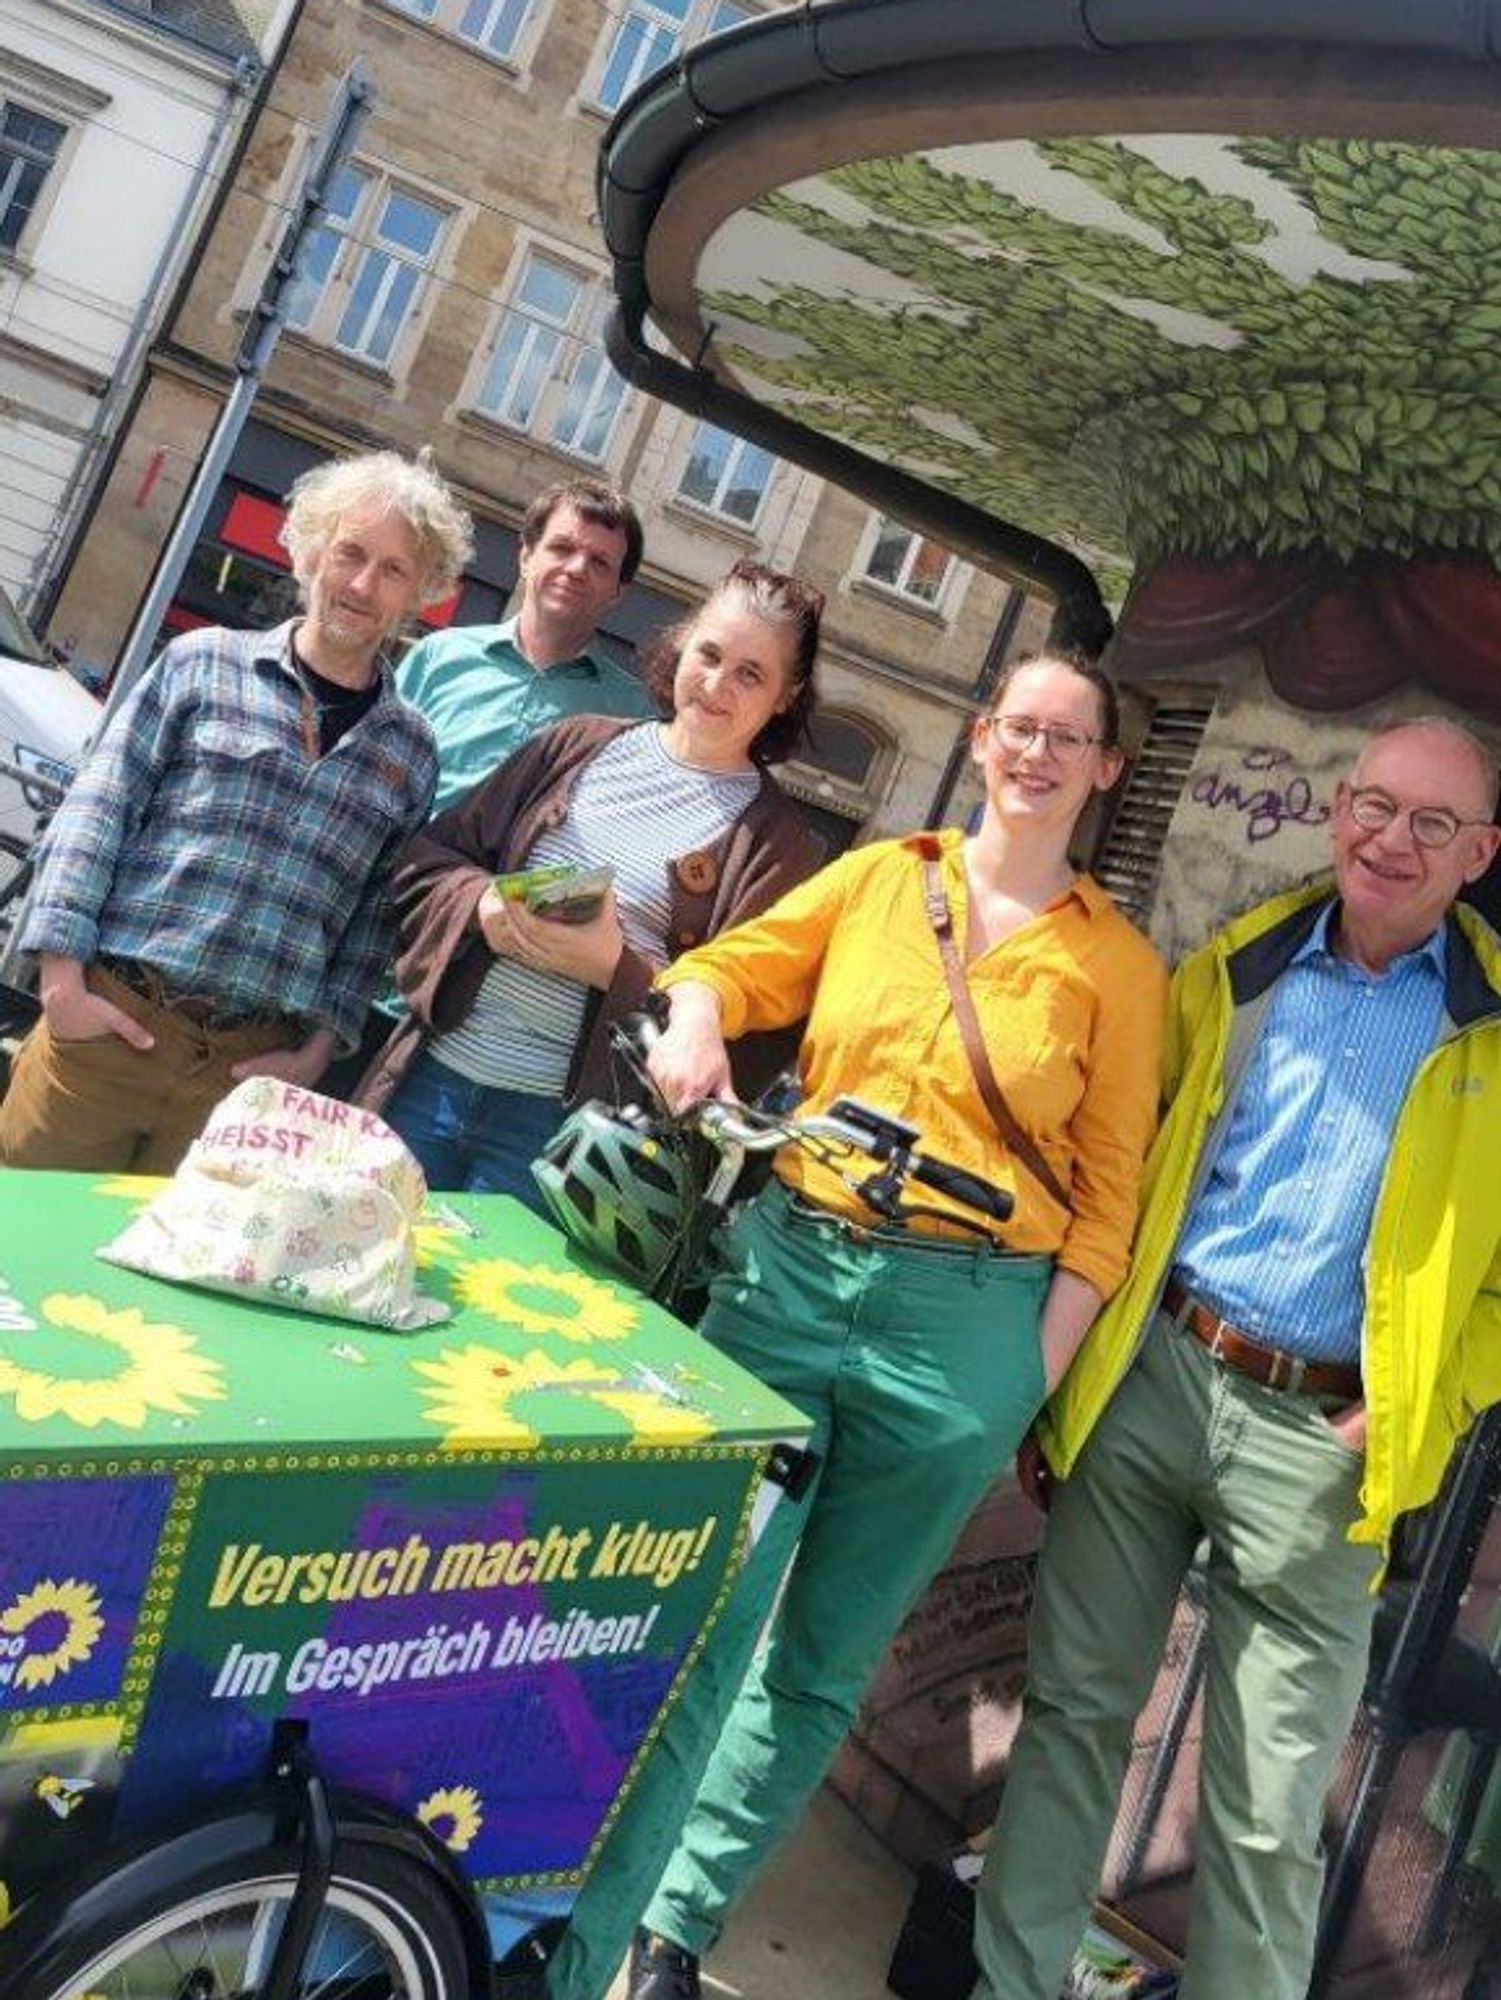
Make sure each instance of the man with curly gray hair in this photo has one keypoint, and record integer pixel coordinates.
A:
(412, 489)
(211, 901)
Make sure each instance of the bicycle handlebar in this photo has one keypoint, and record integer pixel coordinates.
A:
(731, 1125)
(850, 1125)
(975, 1193)
(734, 1125)
(727, 1124)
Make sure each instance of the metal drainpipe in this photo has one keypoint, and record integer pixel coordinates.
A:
(247, 75)
(965, 529)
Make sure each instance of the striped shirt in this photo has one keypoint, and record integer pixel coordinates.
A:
(635, 809)
(1276, 1241)
(200, 838)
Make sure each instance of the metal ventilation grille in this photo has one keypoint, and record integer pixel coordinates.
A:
(1130, 857)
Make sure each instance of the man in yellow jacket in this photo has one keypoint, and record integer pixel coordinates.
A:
(1312, 1320)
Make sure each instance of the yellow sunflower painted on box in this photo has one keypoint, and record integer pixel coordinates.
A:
(109, 1366)
(539, 1298)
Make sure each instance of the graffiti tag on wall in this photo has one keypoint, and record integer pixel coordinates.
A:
(1265, 792)
(1254, 815)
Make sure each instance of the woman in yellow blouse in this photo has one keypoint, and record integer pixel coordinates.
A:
(921, 1353)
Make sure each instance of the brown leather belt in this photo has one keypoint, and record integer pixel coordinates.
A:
(1273, 1367)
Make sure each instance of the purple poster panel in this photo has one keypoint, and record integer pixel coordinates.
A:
(482, 1646)
(73, 1568)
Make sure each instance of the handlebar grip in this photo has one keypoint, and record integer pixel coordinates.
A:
(961, 1186)
(643, 1028)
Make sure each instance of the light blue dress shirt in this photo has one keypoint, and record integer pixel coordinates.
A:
(1276, 1241)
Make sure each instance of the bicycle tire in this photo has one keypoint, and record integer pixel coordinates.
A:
(388, 1933)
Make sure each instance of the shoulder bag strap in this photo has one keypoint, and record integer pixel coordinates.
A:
(1016, 1139)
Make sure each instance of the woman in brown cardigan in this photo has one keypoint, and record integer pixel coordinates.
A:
(510, 1010)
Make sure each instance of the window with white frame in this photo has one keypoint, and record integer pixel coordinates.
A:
(367, 264)
(495, 26)
(908, 564)
(725, 475)
(649, 33)
(547, 371)
(29, 144)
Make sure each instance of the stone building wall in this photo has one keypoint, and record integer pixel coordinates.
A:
(506, 149)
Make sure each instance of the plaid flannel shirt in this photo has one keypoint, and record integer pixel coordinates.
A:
(202, 839)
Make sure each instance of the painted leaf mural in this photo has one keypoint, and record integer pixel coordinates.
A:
(1147, 347)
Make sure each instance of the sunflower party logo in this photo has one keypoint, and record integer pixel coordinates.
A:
(106, 1366)
(47, 1631)
(453, 1814)
(472, 1389)
(540, 1299)
(470, 1392)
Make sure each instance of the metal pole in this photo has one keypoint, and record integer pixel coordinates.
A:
(1458, 1524)
(1164, 1760)
(352, 105)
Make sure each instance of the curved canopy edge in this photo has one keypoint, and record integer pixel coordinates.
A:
(829, 44)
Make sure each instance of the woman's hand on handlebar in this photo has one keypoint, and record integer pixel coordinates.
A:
(689, 1061)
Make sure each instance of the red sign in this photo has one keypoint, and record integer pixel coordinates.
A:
(441, 614)
(255, 525)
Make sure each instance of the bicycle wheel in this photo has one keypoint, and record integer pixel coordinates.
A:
(388, 1932)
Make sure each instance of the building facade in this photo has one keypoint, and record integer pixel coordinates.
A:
(115, 123)
(455, 297)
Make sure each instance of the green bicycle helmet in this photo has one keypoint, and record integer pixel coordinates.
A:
(621, 1188)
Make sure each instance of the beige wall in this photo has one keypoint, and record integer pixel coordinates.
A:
(1253, 817)
(152, 473)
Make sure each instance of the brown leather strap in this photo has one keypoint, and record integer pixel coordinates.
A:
(1023, 1148)
(1273, 1367)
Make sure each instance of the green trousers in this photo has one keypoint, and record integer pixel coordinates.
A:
(920, 1369)
(1187, 1449)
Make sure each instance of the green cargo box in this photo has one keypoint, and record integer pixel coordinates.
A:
(475, 1559)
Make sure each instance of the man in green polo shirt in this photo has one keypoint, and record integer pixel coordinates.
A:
(485, 689)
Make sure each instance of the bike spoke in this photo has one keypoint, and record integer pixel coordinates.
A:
(221, 1944)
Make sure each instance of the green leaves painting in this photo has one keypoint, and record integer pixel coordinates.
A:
(1087, 338)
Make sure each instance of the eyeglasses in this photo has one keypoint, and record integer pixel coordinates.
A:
(1430, 826)
(1020, 732)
